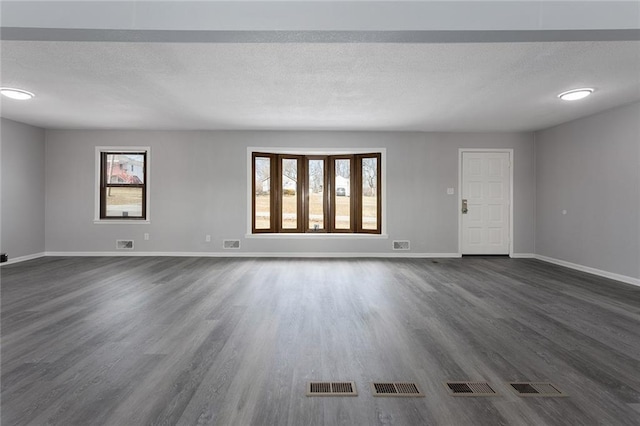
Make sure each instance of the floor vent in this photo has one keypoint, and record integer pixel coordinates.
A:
(395, 389)
(470, 389)
(536, 389)
(331, 389)
(401, 245)
(231, 244)
(124, 244)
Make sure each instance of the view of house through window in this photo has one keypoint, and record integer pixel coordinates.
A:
(123, 185)
(342, 193)
(332, 193)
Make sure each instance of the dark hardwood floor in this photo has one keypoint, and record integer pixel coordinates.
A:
(197, 341)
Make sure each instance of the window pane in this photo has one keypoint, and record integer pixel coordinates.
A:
(289, 193)
(124, 202)
(370, 193)
(316, 193)
(342, 193)
(125, 168)
(262, 200)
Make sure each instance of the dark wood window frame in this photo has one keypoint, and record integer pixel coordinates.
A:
(358, 191)
(325, 199)
(272, 186)
(333, 194)
(300, 184)
(105, 185)
(329, 193)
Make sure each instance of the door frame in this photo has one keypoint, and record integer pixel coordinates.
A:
(458, 206)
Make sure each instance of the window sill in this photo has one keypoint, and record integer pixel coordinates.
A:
(121, 221)
(319, 236)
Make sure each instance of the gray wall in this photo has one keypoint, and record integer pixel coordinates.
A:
(22, 207)
(199, 186)
(591, 168)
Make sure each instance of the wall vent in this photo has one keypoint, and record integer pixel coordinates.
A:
(124, 244)
(401, 245)
(231, 244)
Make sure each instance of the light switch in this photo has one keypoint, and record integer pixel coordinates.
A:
(450, 191)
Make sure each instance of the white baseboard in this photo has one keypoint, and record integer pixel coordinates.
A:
(589, 270)
(23, 258)
(235, 253)
(522, 255)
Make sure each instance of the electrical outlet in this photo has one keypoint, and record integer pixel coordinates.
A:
(146, 236)
(207, 238)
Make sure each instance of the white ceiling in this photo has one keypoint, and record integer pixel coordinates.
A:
(330, 65)
(315, 86)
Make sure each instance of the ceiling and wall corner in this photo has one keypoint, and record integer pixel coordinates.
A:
(22, 194)
(327, 65)
(588, 193)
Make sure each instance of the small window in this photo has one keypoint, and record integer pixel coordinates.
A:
(123, 185)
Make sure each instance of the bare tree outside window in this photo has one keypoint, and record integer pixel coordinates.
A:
(316, 193)
(123, 185)
(369, 193)
(342, 193)
(289, 193)
(262, 195)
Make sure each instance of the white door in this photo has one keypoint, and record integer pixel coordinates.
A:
(485, 209)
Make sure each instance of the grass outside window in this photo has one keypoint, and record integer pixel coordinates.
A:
(316, 194)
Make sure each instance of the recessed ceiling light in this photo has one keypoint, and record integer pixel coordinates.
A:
(575, 94)
(19, 94)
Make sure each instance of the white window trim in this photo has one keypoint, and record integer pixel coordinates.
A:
(96, 214)
(312, 151)
(318, 236)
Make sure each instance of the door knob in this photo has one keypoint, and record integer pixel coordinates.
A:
(464, 207)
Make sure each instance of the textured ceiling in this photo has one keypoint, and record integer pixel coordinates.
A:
(315, 86)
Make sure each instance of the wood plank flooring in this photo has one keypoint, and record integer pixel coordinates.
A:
(202, 341)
